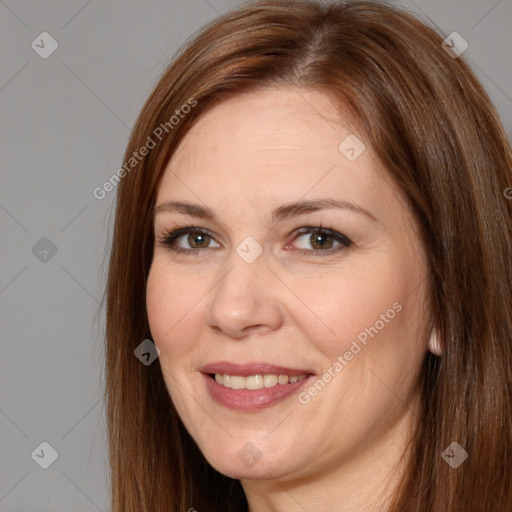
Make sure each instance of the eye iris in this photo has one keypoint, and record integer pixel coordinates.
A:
(317, 239)
(194, 236)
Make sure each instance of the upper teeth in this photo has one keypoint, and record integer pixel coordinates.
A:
(255, 381)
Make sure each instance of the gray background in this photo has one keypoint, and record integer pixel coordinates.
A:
(65, 121)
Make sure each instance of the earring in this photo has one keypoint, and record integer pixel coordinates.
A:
(434, 343)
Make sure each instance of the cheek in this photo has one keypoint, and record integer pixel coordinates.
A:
(157, 303)
(345, 305)
(171, 305)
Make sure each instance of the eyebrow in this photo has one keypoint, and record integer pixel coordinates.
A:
(279, 214)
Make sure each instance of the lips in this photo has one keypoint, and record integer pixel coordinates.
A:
(248, 369)
(244, 399)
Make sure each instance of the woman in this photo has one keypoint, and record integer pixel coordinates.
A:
(312, 227)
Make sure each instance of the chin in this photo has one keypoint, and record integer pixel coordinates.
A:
(250, 462)
(259, 470)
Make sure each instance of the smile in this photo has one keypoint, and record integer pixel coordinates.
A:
(256, 381)
(252, 386)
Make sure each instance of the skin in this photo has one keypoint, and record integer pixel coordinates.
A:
(345, 449)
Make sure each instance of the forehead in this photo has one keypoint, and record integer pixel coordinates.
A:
(263, 125)
(273, 145)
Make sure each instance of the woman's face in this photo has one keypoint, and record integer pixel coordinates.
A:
(260, 294)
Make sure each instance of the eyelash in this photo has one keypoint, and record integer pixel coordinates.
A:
(169, 238)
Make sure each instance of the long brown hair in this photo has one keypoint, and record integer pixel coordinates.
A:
(436, 133)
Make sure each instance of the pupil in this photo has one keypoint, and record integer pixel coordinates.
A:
(196, 237)
(318, 239)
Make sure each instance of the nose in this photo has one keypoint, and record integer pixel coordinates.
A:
(246, 300)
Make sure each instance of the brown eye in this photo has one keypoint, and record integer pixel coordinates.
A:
(187, 239)
(322, 240)
(198, 240)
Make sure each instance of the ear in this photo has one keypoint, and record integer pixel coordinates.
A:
(434, 343)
